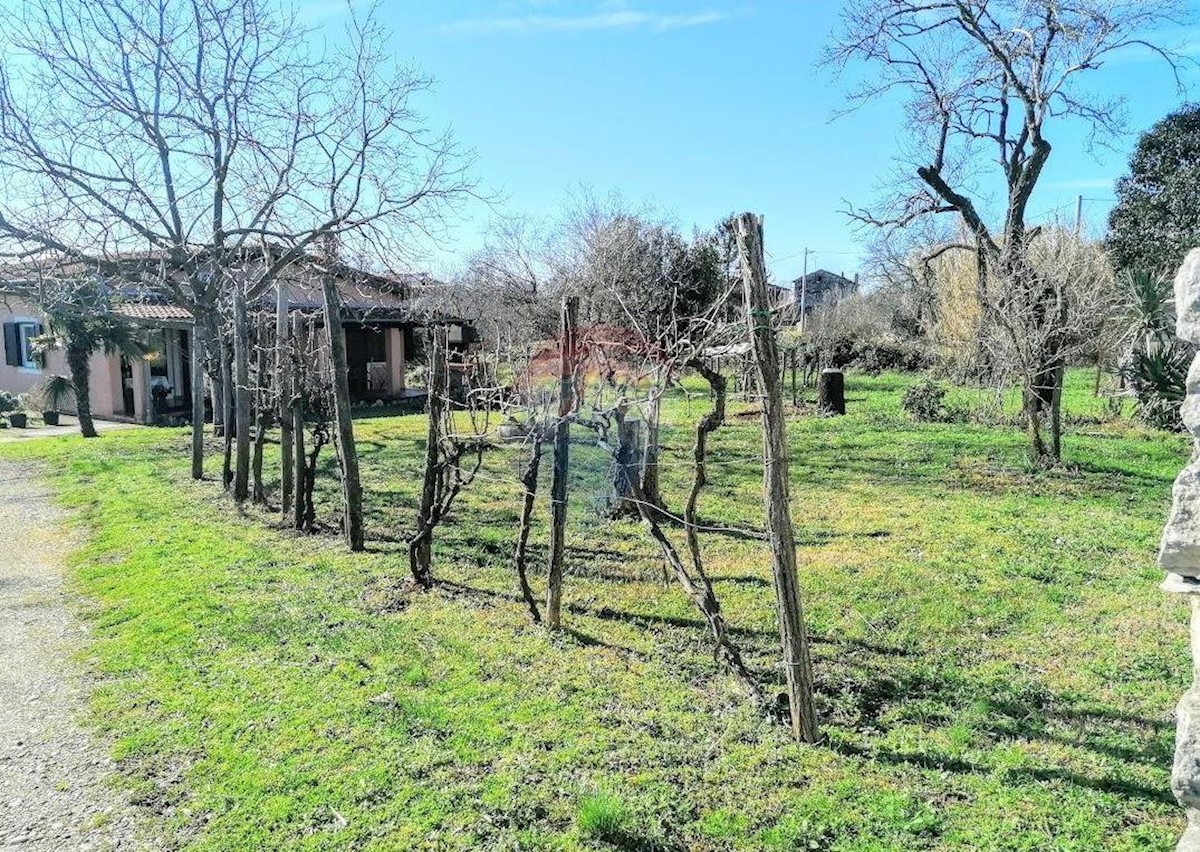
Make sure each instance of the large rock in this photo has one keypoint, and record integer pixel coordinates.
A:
(1179, 551)
(1185, 773)
(1189, 412)
(1187, 298)
(1179, 555)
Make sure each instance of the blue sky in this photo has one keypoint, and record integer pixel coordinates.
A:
(700, 108)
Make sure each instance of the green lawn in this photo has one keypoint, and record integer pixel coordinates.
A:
(996, 667)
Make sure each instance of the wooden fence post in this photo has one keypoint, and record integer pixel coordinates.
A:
(347, 451)
(793, 638)
(299, 463)
(283, 374)
(196, 367)
(241, 394)
(562, 443)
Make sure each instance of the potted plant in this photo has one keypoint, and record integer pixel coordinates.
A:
(14, 408)
(53, 392)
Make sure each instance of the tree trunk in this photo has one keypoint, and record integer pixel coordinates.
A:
(831, 393)
(227, 426)
(197, 377)
(77, 363)
(352, 503)
(705, 597)
(700, 594)
(529, 480)
(420, 548)
(241, 395)
(297, 415)
(212, 364)
(793, 637)
(562, 443)
(1056, 413)
(308, 521)
(283, 375)
(299, 510)
(262, 419)
(1043, 413)
(650, 478)
(628, 464)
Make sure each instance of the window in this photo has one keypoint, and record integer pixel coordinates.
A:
(18, 344)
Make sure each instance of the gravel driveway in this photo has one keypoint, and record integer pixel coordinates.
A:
(55, 779)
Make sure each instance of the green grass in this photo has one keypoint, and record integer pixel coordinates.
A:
(603, 816)
(995, 666)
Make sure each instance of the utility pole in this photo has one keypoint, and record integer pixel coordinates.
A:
(1078, 215)
(804, 292)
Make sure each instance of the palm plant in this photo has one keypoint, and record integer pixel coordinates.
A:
(1156, 363)
(53, 392)
(80, 321)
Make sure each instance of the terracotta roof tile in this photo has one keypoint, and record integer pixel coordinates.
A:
(148, 311)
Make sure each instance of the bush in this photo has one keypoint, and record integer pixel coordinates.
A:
(925, 401)
(1158, 379)
(415, 375)
(877, 357)
(8, 402)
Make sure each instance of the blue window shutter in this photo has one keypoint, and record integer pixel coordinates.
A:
(12, 345)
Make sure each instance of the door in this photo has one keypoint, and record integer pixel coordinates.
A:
(356, 361)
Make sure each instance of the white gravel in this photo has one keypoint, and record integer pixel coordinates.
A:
(56, 790)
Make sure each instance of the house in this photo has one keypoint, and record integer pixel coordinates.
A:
(816, 288)
(380, 314)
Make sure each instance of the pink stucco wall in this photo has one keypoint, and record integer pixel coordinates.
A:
(105, 391)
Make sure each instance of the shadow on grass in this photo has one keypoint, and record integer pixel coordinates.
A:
(944, 763)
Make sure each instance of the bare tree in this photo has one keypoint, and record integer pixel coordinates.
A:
(998, 74)
(684, 351)
(191, 144)
(453, 457)
(1068, 293)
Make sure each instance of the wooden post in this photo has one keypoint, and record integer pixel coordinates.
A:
(299, 509)
(796, 658)
(831, 393)
(197, 370)
(347, 452)
(562, 443)
(792, 363)
(227, 417)
(262, 413)
(216, 383)
(283, 374)
(241, 394)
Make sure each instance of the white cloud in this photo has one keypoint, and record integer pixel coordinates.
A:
(615, 19)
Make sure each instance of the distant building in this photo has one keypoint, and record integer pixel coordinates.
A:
(816, 288)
